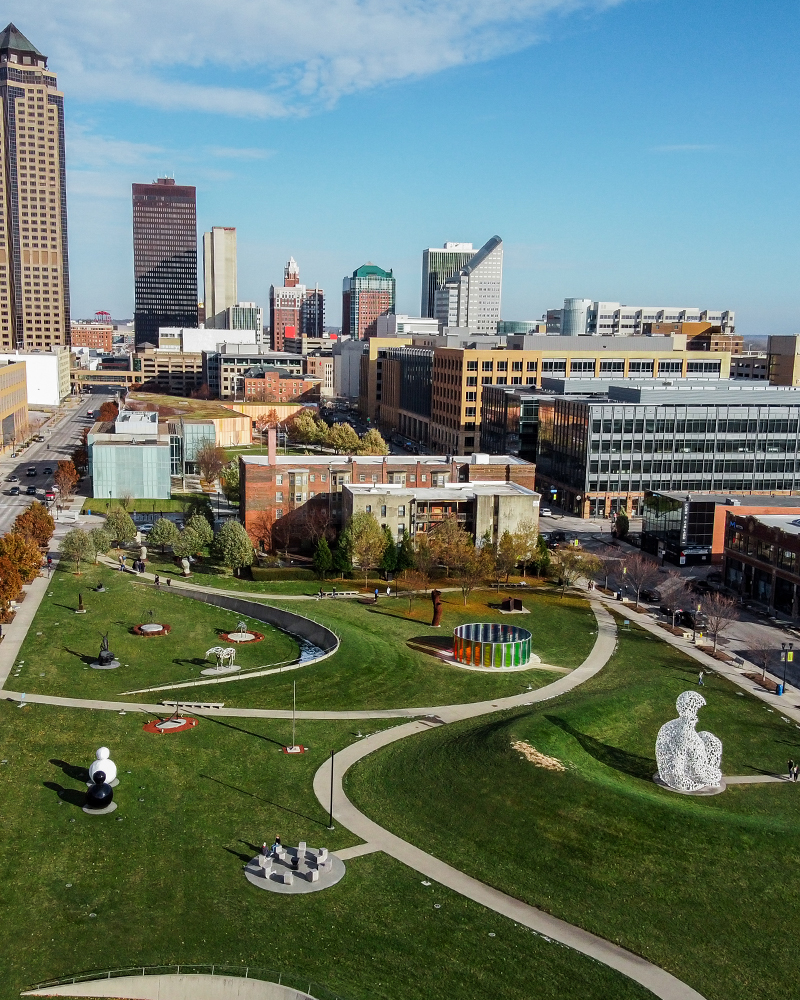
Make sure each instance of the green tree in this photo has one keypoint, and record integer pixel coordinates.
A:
(405, 554)
(506, 554)
(77, 545)
(475, 566)
(541, 557)
(164, 533)
(526, 538)
(199, 505)
(343, 439)
(101, 541)
(372, 443)
(120, 525)
(230, 481)
(389, 557)
(572, 564)
(323, 558)
(367, 542)
(201, 528)
(342, 561)
(622, 525)
(304, 429)
(188, 543)
(233, 547)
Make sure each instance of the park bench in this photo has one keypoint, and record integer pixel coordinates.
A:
(340, 593)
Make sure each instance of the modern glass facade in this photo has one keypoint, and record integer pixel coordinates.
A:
(437, 266)
(164, 257)
(510, 422)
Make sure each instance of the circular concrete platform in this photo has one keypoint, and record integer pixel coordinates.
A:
(301, 877)
(706, 790)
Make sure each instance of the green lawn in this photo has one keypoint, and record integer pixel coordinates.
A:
(159, 881)
(61, 644)
(705, 887)
(177, 504)
(374, 669)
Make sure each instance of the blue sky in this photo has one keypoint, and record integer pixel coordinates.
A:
(644, 151)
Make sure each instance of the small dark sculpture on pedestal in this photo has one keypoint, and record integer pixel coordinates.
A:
(436, 597)
(105, 656)
(81, 609)
(100, 794)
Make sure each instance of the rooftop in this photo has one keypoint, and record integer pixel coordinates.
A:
(725, 499)
(453, 491)
(785, 522)
(12, 40)
(390, 460)
(177, 406)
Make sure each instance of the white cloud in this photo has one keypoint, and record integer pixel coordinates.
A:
(685, 147)
(294, 55)
(87, 149)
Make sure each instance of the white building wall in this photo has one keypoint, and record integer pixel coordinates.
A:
(219, 274)
(47, 374)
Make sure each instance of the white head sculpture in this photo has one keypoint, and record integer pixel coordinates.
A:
(688, 760)
(103, 763)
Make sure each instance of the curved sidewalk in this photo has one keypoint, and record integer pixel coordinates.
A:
(661, 983)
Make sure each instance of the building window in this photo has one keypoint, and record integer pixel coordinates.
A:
(362, 479)
(279, 480)
(279, 497)
(401, 510)
(516, 380)
(368, 508)
(279, 512)
(472, 366)
(469, 411)
(383, 510)
(486, 380)
(487, 366)
(532, 366)
(472, 397)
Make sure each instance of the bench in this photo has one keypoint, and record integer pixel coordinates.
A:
(313, 875)
(287, 878)
(193, 704)
(339, 593)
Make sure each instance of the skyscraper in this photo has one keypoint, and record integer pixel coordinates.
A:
(367, 294)
(471, 297)
(34, 260)
(219, 274)
(164, 257)
(294, 310)
(439, 264)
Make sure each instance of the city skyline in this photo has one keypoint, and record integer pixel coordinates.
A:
(605, 182)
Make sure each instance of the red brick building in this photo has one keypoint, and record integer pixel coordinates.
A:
(96, 335)
(287, 499)
(276, 385)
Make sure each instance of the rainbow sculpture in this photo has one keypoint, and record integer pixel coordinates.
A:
(486, 644)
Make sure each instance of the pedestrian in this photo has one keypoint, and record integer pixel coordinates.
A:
(169, 581)
(333, 594)
(158, 580)
(700, 679)
(795, 772)
(388, 591)
(790, 768)
(376, 595)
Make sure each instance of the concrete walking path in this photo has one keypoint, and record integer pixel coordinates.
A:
(661, 983)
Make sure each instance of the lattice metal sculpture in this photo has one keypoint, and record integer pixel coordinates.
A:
(688, 760)
(225, 655)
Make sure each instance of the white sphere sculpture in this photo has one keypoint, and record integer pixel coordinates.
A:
(103, 763)
(688, 760)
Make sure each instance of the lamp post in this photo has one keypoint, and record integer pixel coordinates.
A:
(677, 611)
(787, 656)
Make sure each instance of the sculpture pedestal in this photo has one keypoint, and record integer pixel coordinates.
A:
(705, 790)
(111, 664)
(100, 812)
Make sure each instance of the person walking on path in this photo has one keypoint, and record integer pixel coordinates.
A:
(376, 595)
(158, 580)
(700, 680)
(795, 772)
(790, 768)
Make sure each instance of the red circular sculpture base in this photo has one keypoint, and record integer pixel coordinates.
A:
(164, 630)
(257, 637)
(162, 726)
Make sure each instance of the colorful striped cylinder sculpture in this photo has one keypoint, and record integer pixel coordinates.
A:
(486, 644)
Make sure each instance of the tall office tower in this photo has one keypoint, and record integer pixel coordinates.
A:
(164, 257)
(34, 259)
(471, 297)
(245, 316)
(439, 264)
(294, 310)
(219, 274)
(367, 294)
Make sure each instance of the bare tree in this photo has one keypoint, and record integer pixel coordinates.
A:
(610, 561)
(672, 587)
(721, 612)
(413, 581)
(211, 460)
(476, 564)
(572, 564)
(763, 650)
(642, 573)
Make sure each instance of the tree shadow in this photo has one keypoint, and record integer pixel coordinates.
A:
(74, 771)
(433, 644)
(228, 725)
(261, 798)
(196, 661)
(614, 757)
(389, 614)
(244, 858)
(74, 796)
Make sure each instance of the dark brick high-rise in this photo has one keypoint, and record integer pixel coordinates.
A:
(164, 257)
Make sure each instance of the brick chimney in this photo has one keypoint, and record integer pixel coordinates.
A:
(272, 445)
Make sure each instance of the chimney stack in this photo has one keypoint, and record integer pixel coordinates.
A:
(272, 445)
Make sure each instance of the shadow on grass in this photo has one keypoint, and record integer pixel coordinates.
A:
(614, 757)
(433, 644)
(74, 771)
(228, 725)
(261, 798)
(74, 796)
(81, 656)
(389, 614)
(244, 858)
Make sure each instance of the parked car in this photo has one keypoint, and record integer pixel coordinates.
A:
(31, 490)
(558, 536)
(145, 529)
(651, 596)
(38, 437)
(545, 512)
(14, 491)
(50, 496)
(31, 471)
(691, 619)
(12, 479)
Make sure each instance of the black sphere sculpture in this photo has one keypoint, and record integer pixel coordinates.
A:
(99, 794)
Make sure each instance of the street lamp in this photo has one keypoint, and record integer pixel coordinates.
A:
(677, 611)
(787, 656)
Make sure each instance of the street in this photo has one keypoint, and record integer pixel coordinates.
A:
(61, 437)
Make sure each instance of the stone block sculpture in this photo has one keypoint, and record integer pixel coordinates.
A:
(688, 760)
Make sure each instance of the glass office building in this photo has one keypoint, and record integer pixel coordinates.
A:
(599, 455)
